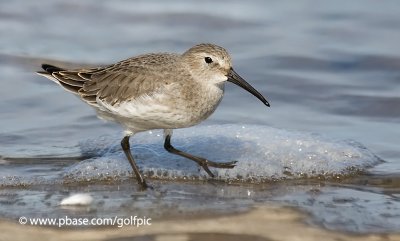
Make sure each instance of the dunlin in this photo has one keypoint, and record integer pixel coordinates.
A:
(156, 91)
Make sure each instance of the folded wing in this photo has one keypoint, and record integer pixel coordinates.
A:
(123, 81)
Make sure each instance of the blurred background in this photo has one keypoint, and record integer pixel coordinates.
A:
(327, 67)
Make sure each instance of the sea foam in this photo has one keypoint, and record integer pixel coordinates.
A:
(263, 153)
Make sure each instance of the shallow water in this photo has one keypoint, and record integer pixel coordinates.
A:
(329, 144)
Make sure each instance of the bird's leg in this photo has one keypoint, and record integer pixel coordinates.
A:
(199, 160)
(126, 147)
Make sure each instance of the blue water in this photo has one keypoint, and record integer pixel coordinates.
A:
(331, 71)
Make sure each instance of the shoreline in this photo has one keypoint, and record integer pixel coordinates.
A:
(259, 223)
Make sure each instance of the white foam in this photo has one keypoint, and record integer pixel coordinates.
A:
(263, 153)
(77, 199)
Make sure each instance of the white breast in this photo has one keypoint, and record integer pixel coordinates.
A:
(147, 112)
(165, 109)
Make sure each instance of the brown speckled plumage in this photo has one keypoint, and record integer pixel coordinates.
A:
(156, 91)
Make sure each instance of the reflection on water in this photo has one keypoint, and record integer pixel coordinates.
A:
(329, 68)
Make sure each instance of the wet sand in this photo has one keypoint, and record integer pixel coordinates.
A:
(259, 224)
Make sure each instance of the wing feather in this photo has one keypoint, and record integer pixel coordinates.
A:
(124, 81)
(67, 80)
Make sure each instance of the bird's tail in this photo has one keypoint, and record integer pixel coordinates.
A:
(68, 79)
(71, 80)
(48, 71)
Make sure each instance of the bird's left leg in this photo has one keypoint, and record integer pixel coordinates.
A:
(127, 149)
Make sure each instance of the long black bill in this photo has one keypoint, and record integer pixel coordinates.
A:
(237, 80)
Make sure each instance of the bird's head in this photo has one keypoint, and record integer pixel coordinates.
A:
(213, 64)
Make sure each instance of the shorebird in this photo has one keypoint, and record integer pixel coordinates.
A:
(156, 91)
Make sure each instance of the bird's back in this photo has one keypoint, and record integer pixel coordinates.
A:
(123, 81)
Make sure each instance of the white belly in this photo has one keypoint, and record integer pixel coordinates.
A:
(164, 110)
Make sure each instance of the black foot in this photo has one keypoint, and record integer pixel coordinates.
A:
(229, 165)
(144, 187)
(204, 163)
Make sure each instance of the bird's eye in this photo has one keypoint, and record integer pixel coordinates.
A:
(208, 60)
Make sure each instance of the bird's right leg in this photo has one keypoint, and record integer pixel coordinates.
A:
(199, 160)
(126, 147)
